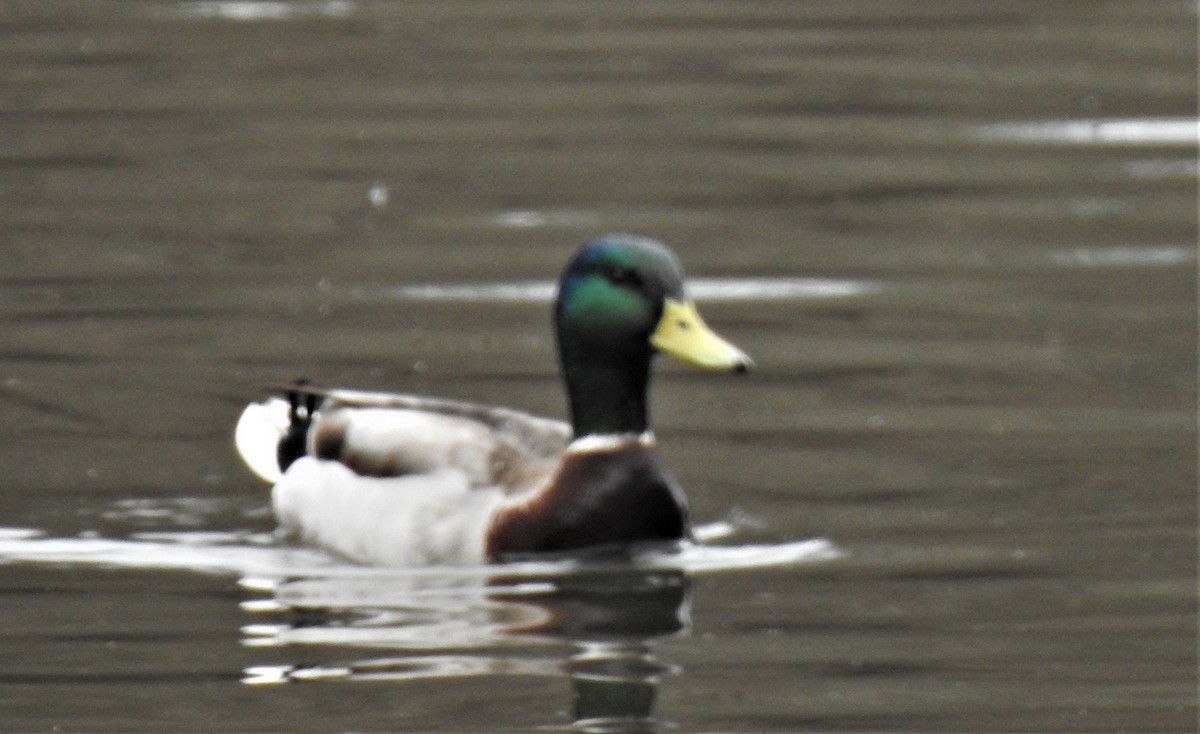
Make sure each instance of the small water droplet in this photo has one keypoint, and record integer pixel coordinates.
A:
(378, 195)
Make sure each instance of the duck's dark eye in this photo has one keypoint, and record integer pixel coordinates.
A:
(623, 276)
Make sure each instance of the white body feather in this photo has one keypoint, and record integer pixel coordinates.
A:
(418, 519)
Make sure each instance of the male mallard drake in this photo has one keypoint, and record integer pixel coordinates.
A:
(402, 480)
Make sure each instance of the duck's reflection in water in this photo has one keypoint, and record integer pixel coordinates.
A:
(611, 618)
(595, 625)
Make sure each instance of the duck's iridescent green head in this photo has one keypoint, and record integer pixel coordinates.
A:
(621, 299)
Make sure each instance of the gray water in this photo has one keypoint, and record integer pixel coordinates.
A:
(959, 240)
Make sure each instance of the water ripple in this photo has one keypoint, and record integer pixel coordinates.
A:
(258, 555)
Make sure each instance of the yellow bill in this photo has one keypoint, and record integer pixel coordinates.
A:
(681, 333)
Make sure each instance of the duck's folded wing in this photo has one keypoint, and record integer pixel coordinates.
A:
(541, 437)
(386, 435)
(391, 442)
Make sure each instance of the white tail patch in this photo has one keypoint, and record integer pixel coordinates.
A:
(257, 437)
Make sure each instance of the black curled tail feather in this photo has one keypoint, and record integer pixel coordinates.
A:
(302, 404)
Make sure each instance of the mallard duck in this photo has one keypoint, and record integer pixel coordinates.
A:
(402, 480)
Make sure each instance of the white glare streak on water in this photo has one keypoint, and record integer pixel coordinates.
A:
(702, 289)
(530, 219)
(260, 10)
(1124, 257)
(1164, 131)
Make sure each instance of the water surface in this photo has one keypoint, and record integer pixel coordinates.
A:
(958, 239)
